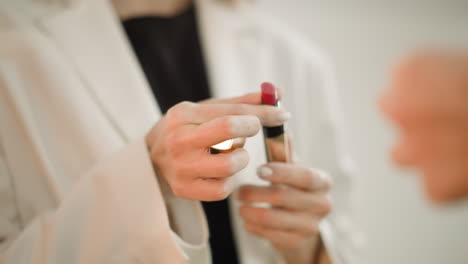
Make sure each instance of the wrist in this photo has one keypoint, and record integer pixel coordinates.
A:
(307, 254)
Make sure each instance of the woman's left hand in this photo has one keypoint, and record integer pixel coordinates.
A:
(299, 199)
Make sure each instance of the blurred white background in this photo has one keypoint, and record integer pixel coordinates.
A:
(364, 38)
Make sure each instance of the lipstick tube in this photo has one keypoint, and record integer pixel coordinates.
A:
(275, 139)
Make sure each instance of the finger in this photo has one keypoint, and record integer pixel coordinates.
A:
(224, 128)
(204, 189)
(204, 165)
(287, 198)
(285, 241)
(268, 115)
(273, 218)
(294, 175)
(251, 98)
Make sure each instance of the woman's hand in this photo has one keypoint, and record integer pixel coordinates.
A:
(428, 100)
(299, 199)
(179, 143)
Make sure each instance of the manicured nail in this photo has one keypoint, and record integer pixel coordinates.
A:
(230, 185)
(284, 116)
(264, 172)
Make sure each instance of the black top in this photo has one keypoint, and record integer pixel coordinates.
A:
(170, 54)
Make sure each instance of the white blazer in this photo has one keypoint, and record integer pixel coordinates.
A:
(76, 181)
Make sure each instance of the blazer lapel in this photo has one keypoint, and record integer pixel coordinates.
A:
(90, 36)
(229, 44)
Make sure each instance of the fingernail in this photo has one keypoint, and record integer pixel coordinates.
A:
(230, 185)
(284, 116)
(264, 172)
(322, 178)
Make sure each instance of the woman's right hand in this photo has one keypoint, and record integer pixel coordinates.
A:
(179, 143)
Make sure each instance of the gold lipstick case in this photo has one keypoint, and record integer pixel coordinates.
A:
(227, 146)
(276, 146)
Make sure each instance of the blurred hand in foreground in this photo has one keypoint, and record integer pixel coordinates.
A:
(428, 101)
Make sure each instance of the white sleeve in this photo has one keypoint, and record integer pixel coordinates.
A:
(114, 214)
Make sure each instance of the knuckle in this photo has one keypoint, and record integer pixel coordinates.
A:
(185, 106)
(172, 144)
(176, 113)
(178, 173)
(231, 125)
(280, 193)
(227, 124)
(264, 216)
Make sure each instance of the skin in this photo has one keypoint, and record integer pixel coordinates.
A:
(299, 195)
(179, 145)
(299, 200)
(427, 100)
